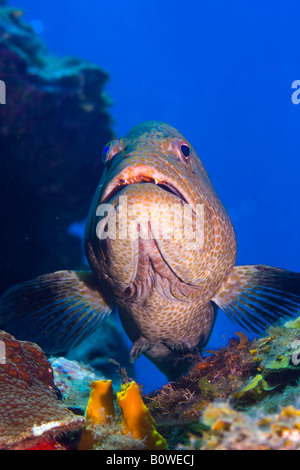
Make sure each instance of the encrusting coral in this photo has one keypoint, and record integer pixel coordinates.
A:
(73, 379)
(229, 429)
(33, 416)
(31, 413)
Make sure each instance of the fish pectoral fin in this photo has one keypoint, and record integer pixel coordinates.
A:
(256, 296)
(143, 345)
(56, 311)
(139, 347)
(180, 347)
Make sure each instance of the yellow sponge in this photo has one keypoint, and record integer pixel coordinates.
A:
(100, 410)
(136, 418)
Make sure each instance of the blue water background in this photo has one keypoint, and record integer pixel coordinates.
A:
(219, 71)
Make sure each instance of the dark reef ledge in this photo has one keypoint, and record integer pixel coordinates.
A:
(53, 126)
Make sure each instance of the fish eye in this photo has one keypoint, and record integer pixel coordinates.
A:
(185, 150)
(105, 152)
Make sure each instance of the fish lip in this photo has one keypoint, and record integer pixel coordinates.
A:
(144, 174)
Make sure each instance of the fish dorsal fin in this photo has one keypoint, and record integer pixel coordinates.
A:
(255, 296)
(56, 311)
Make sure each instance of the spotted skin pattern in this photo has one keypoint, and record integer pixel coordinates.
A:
(162, 289)
(167, 289)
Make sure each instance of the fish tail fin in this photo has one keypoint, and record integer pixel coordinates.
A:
(256, 296)
(56, 311)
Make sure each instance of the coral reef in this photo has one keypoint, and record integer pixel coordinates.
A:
(53, 126)
(229, 429)
(243, 396)
(32, 416)
(74, 379)
(256, 379)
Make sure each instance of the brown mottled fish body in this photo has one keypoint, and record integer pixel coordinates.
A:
(167, 288)
(163, 290)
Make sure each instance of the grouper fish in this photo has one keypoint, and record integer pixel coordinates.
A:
(162, 251)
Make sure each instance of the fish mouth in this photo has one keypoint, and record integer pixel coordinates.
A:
(121, 183)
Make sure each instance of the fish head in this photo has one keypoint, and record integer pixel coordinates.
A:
(155, 209)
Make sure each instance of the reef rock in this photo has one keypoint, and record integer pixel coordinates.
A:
(32, 415)
(53, 126)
